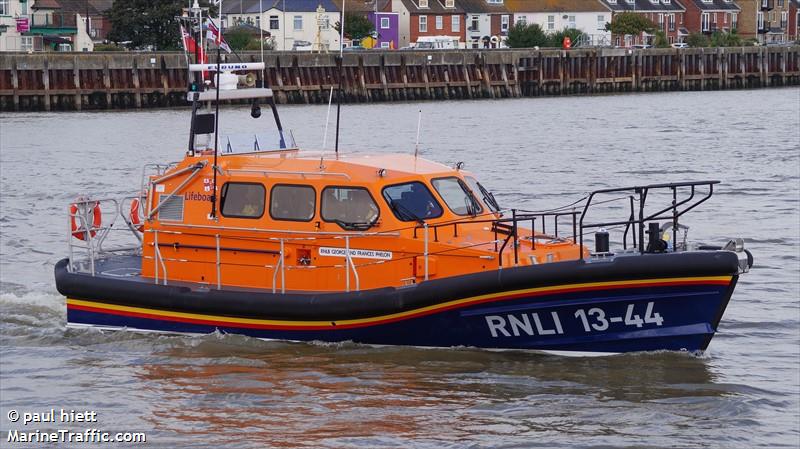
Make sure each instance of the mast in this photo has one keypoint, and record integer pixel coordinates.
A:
(341, 71)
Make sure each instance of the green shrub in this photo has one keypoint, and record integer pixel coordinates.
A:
(108, 47)
(526, 36)
(697, 40)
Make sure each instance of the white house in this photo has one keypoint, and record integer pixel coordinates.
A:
(11, 38)
(291, 24)
(588, 16)
(487, 23)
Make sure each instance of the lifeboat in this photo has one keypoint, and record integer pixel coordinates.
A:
(250, 235)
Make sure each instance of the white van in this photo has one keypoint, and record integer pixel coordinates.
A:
(437, 43)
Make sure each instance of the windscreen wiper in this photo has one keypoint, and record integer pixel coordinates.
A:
(405, 212)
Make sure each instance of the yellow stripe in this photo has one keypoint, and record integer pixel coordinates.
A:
(456, 302)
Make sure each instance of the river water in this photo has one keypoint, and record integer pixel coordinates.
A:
(229, 391)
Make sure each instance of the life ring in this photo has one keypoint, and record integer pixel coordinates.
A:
(78, 230)
(136, 220)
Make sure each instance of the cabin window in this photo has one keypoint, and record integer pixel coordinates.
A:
(349, 207)
(457, 196)
(242, 200)
(292, 202)
(412, 201)
(481, 192)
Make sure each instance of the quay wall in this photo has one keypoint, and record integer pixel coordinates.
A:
(81, 81)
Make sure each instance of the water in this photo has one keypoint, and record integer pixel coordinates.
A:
(229, 391)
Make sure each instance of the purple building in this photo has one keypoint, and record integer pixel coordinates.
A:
(387, 24)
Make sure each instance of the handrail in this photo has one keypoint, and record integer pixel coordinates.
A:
(195, 168)
(289, 172)
(642, 192)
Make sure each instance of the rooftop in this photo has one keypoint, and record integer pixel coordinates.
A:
(644, 5)
(434, 6)
(714, 5)
(556, 6)
(254, 6)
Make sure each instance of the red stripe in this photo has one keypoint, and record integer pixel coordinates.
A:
(218, 323)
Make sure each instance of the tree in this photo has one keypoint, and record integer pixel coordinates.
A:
(661, 40)
(522, 35)
(556, 39)
(356, 26)
(146, 23)
(629, 23)
(697, 40)
(726, 39)
(238, 39)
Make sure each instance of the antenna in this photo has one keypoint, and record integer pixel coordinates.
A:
(216, 112)
(419, 125)
(325, 135)
(341, 67)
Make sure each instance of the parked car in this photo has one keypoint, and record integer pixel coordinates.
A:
(642, 46)
(302, 46)
(680, 45)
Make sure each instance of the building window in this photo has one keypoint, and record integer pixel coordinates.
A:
(704, 21)
(522, 20)
(760, 20)
(498, 2)
(671, 22)
(298, 23)
(4, 10)
(771, 16)
(242, 200)
(26, 43)
(474, 23)
(439, 22)
(503, 23)
(23, 8)
(384, 23)
(734, 20)
(572, 22)
(455, 24)
(551, 22)
(784, 19)
(725, 18)
(423, 3)
(292, 202)
(661, 21)
(258, 21)
(423, 24)
(274, 23)
(780, 3)
(601, 22)
(630, 2)
(666, 2)
(349, 206)
(324, 23)
(449, 3)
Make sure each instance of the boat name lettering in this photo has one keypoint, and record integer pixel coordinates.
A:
(196, 196)
(546, 325)
(356, 253)
(594, 319)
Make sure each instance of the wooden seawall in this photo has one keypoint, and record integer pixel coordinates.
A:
(76, 81)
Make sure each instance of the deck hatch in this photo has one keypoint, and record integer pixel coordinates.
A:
(171, 208)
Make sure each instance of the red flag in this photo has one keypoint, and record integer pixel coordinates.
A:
(215, 35)
(190, 46)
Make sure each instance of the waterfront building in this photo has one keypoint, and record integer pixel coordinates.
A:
(379, 13)
(767, 21)
(487, 23)
(430, 18)
(708, 16)
(660, 12)
(14, 21)
(52, 25)
(588, 16)
(291, 24)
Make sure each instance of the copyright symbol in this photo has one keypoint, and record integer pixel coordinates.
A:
(13, 415)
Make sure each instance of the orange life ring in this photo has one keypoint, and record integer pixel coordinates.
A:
(136, 220)
(80, 232)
